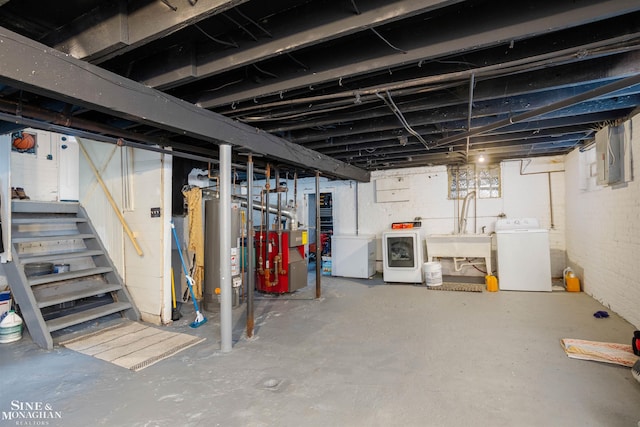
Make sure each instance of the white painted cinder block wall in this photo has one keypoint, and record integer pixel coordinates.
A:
(37, 173)
(148, 276)
(523, 195)
(603, 232)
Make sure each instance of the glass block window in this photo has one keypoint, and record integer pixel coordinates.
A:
(485, 180)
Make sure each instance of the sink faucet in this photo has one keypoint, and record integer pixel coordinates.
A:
(462, 223)
(483, 227)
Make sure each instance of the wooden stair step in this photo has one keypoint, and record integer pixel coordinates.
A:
(86, 315)
(59, 255)
(50, 278)
(31, 239)
(92, 288)
(48, 220)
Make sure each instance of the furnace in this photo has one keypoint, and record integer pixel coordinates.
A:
(281, 265)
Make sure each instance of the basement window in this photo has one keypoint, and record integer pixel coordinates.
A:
(485, 180)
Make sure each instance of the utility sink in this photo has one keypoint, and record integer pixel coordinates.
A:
(460, 246)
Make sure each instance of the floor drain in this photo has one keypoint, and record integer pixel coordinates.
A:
(271, 384)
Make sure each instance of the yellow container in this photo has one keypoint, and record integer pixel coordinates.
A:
(572, 282)
(492, 283)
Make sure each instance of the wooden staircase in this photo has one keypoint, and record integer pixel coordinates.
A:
(61, 233)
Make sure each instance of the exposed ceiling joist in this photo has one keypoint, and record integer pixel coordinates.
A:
(365, 83)
(31, 66)
(490, 108)
(321, 25)
(491, 25)
(117, 27)
(543, 111)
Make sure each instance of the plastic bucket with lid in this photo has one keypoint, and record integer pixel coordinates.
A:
(10, 327)
(432, 273)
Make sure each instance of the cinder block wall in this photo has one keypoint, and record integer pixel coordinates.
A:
(147, 276)
(524, 194)
(603, 233)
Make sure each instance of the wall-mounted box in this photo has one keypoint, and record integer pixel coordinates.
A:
(394, 189)
(610, 155)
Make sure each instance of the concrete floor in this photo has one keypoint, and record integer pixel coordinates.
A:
(365, 354)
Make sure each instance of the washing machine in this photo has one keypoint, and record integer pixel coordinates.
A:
(524, 258)
(402, 256)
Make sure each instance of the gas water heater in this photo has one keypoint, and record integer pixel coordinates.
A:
(212, 250)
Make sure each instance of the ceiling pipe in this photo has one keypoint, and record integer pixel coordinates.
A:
(595, 50)
(72, 122)
(38, 124)
(594, 93)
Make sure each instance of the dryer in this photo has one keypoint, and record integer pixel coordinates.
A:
(402, 255)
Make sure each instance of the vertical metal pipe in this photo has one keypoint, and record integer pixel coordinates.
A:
(294, 207)
(226, 321)
(357, 222)
(475, 201)
(472, 82)
(553, 226)
(277, 268)
(267, 203)
(295, 193)
(318, 243)
(250, 236)
(278, 199)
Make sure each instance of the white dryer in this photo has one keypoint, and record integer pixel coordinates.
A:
(402, 255)
(524, 258)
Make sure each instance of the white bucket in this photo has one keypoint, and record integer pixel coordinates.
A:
(10, 328)
(432, 273)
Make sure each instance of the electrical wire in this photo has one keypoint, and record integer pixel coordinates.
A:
(396, 111)
(387, 41)
(169, 5)
(264, 30)
(242, 27)
(355, 7)
(597, 49)
(222, 42)
(264, 72)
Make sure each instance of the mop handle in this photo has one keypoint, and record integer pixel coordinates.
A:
(184, 267)
(175, 236)
(193, 297)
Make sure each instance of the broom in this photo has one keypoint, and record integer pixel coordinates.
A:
(200, 319)
(175, 312)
